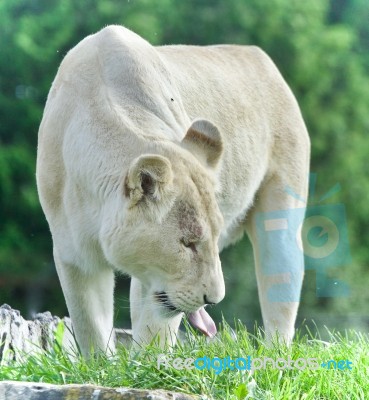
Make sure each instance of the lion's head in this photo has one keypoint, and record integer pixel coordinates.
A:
(168, 235)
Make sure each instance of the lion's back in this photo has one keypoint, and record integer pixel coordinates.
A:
(114, 91)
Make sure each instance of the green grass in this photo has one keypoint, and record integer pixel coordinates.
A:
(139, 369)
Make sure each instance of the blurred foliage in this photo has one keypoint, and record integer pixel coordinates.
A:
(320, 46)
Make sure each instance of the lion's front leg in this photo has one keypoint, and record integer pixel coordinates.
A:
(89, 298)
(147, 323)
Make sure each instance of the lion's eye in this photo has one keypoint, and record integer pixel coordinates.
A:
(189, 245)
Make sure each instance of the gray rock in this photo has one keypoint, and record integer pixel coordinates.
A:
(19, 336)
(43, 391)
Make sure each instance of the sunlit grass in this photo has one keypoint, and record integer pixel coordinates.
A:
(140, 369)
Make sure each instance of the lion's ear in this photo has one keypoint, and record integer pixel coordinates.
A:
(204, 140)
(148, 178)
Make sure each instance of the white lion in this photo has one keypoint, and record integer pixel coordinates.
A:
(128, 183)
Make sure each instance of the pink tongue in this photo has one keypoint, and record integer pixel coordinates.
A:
(201, 320)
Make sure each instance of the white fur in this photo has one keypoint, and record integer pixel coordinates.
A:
(116, 99)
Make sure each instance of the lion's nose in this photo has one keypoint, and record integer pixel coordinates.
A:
(207, 301)
(213, 285)
(210, 300)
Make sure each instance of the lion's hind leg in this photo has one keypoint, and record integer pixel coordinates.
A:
(274, 227)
